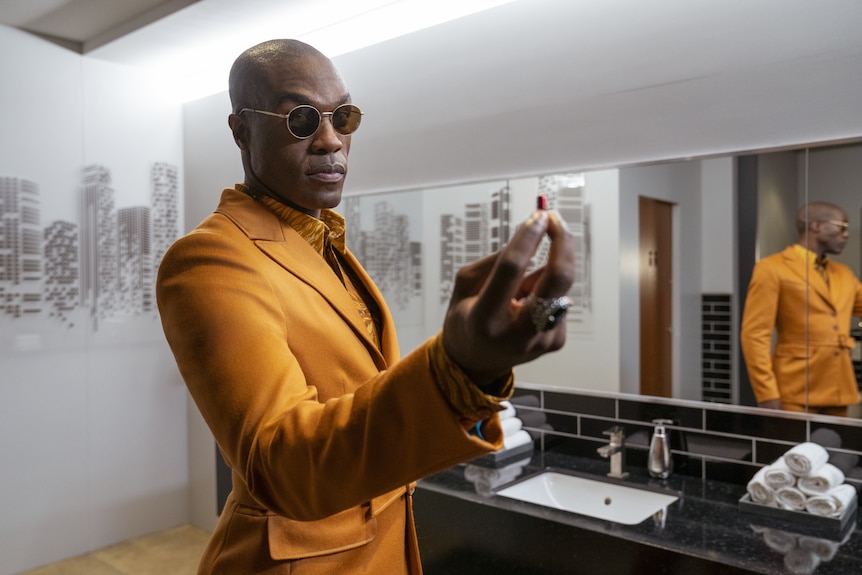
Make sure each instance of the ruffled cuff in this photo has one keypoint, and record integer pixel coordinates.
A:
(470, 401)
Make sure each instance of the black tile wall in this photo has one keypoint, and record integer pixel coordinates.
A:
(837, 436)
(765, 452)
(588, 405)
(710, 442)
(717, 352)
(647, 412)
(767, 427)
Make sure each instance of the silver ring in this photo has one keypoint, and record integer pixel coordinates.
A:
(546, 313)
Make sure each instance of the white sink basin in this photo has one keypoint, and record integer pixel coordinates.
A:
(609, 501)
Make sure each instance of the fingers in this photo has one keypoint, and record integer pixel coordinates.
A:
(504, 282)
(559, 270)
(472, 277)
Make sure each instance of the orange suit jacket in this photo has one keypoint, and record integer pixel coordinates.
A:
(323, 431)
(776, 300)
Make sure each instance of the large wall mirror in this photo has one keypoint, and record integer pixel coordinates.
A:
(665, 250)
(680, 328)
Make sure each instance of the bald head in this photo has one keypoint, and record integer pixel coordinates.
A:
(817, 212)
(248, 81)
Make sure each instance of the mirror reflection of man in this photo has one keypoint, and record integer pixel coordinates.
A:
(813, 347)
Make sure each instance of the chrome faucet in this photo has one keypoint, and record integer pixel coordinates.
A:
(615, 451)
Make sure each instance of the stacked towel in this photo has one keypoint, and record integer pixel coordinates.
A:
(508, 410)
(804, 458)
(803, 480)
(517, 439)
(791, 498)
(833, 502)
(513, 434)
(821, 480)
(511, 425)
(759, 491)
(778, 474)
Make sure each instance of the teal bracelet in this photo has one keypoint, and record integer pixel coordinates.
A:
(477, 431)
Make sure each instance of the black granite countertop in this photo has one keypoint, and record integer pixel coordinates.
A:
(705, 522)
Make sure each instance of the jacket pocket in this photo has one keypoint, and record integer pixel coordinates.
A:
(292, 539)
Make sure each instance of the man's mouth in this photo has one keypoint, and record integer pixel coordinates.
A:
(327, 173)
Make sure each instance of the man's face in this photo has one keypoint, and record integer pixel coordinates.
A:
(832, 233)
(307, 173)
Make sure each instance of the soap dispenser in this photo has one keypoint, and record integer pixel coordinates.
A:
(659, 461)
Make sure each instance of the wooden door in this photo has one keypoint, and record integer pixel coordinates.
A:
(656, 291)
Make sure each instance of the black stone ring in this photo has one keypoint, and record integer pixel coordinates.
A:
(546, 313)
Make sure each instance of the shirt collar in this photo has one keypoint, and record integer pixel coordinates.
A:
(330, 228)
(811, 257)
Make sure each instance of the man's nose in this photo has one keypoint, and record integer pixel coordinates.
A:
(326, 139)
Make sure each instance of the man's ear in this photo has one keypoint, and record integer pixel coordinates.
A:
(239, 129)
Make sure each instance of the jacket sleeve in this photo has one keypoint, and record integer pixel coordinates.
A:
(758, 323)
(301, 455)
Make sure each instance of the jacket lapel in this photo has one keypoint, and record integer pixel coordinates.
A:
(801, 268)
(286, 247)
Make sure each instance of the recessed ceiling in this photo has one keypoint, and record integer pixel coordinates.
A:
(82, 25)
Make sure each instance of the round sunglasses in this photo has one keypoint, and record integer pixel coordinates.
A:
(304, 121)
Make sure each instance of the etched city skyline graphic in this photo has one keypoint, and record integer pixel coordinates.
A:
(477, 229)
(384, 248)
(96, 270)
(470, 222)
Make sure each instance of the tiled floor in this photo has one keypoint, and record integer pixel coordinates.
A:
(172, 552)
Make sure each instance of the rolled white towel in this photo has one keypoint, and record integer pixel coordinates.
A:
(778, 475)
(821, 480)
(791, 498)
(512, 425)
(804, 458)
(517, 439)
(507, 411)
(833, 502)
(759, 491)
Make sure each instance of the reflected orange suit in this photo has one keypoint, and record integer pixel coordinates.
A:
(815, 346)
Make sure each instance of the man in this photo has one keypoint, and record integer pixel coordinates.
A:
(290, 353)
(808, 301)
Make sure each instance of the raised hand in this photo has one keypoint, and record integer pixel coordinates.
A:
(499, 316)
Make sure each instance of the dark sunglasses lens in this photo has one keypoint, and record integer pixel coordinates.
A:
(303, 121)
(346, 119)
